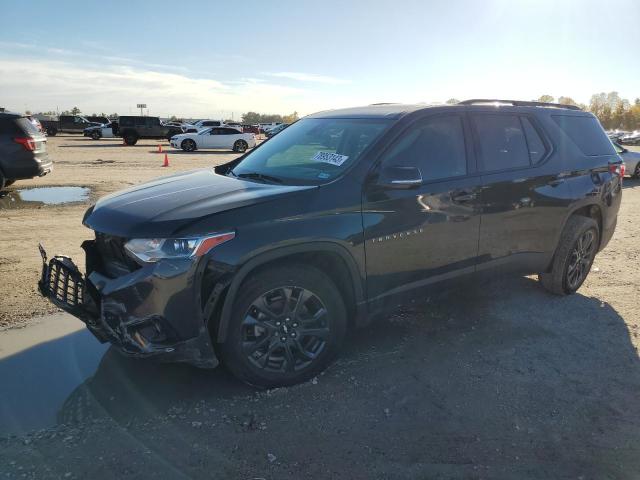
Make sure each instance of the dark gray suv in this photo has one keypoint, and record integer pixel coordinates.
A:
(23, 150)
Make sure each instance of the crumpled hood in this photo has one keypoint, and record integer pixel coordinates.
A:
(165, 205)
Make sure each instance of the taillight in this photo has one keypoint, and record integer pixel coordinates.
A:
(27, 142)
(617, 169)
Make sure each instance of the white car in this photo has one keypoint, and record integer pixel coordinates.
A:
(215, 137)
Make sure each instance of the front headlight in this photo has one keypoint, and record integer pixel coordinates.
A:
(149, 250)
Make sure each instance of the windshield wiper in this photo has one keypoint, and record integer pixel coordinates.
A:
(259, 176)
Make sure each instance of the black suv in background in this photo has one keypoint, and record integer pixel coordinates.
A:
(266, 261)
(66, 124)
(131, 129)
(23, 149)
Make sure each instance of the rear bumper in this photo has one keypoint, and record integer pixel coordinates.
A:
(150, 312)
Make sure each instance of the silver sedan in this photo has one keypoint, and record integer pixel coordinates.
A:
(631, 160)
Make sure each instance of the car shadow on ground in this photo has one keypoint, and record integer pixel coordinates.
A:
(502, 380)
(631, 183)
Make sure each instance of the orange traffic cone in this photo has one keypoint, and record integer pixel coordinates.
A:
(159, 148)
(166, 160)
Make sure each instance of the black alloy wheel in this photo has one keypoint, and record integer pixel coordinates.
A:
(240, 146)
(188, 145)
(581, 259)
(287, 325)
(285, 329)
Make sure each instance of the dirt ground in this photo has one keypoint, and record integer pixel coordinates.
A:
(501, 381)
(104, 166)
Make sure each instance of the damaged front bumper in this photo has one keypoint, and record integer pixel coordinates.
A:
(153, 311)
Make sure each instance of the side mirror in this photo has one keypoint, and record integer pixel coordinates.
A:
(400, 177)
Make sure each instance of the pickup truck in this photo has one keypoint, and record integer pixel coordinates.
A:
(132, 128)
(66, 124)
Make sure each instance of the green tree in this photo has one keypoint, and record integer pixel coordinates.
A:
(452, 101)
(292, 117)
(567, 101)
(75, 111)
(546, 99)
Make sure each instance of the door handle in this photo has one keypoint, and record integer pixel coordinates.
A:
(462, 196)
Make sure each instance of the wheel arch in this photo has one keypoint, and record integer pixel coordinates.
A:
(332, 259)
(590, 210)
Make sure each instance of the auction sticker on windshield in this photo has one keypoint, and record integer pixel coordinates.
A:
(330, 157)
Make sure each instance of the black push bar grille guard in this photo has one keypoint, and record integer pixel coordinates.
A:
(62, 282)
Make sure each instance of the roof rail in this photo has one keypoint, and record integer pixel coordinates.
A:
(518, 103)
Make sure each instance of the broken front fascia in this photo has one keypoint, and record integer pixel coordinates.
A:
(152, 311)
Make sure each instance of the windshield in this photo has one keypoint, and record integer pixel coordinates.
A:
(313, 150)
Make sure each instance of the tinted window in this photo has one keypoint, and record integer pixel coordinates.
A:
(535, 144)
(231, 131)
(587, 133)
(8, 126)
(435, 146)
(126, 121)
(217, 131)
(25, 125)
(502, 142)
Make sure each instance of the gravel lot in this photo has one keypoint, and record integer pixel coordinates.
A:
(499, 381)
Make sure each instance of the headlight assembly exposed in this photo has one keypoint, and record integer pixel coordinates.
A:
(149, 250)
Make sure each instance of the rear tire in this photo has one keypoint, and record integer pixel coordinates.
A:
(240, 146)
(188, 145)
(130, 139)
(636, 173)
(3, 181)
(574, 256)
(293, 336)
(52, 131)
(9, 182)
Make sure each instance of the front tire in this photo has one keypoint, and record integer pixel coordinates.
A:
(574, 256)
(240, 146)
(96, 135)
(188, 145)
(287, 325)
(636, 173)
(52, 131)
(130, 139)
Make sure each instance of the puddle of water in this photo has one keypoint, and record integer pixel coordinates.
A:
(39, 196)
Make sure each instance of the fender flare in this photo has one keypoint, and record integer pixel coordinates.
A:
(280, 252)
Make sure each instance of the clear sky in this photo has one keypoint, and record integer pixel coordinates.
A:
(215, 58)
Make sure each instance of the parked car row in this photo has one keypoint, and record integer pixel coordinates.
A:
(624, 137)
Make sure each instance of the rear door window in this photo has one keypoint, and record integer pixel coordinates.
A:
(587, 133)
(502, 142)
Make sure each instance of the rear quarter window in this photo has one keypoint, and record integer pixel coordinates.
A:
(25, 126)
(586, 133)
